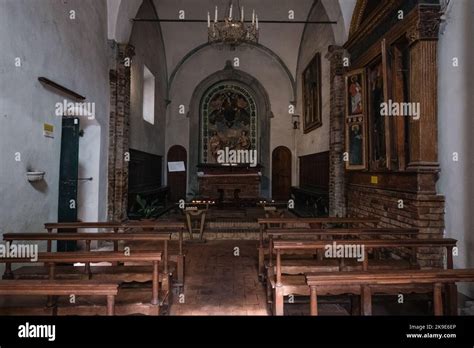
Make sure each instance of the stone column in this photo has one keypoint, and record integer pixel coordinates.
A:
(119, 131)
(337, 198)
(423, 37)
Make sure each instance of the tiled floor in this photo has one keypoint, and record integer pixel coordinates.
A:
(221, 279)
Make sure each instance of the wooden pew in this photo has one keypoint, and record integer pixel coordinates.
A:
(315, 223)
(51, 259)
(354, 233)
(370, 282)
(88, 237)
(295, 283)
(61, 288)
(158, 226)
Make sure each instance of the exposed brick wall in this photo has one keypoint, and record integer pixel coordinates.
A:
(337, 199)
(119, 133)
(422, 211)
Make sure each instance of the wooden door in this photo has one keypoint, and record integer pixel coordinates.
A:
(281, 173)
(68, 177)
(177, 180)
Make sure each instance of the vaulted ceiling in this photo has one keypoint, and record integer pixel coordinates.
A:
(181, 38)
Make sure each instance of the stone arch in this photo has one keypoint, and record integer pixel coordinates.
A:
(265, 114)
(258, 46)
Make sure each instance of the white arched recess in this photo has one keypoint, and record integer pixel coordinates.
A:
(254, 62)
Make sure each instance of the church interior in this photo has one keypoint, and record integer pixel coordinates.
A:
(236, 157)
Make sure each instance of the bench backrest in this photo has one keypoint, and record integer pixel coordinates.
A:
(159, 224)
(282, 232)
(91, 256)
(87, 236)
(390, 277)
(368, 243)
(326, 220)
(58, 288)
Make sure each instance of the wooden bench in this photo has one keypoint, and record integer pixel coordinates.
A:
(370, 282)
(88, 237)
(61, 288)
(314, 223)
(334, 234)
(52, 259)
(295, 284)
(158, 226)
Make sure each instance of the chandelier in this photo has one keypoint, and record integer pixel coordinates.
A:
(232, 31)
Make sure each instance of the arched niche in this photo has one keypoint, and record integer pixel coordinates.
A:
(249, 83)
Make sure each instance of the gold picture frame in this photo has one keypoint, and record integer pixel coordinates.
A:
(312, 104)
(356, 120)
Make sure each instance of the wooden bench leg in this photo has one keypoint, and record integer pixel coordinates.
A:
(452, 298)
(156, 285)
(8, 274)
(268, 286)
(110, 305)
(278, 300)
(180, 260)
(88, 264)
(261, 262)
(438, 299)
(166, 274)
(51, 299)
(181, 269)
(313, 301)
(366, 300)
(355, 305)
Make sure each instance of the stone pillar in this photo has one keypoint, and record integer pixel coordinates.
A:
(337, 197)
(119, 131)
(423, 37)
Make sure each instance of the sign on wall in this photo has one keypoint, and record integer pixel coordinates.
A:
(48, 130)
(176, 167)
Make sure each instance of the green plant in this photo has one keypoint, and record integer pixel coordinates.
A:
(147, 210)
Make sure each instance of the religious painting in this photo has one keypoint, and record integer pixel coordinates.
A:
(354, 94)
(228, 121)
(355, 125)
(312, 95)
(377, 124)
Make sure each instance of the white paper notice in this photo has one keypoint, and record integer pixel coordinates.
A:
(176, 167)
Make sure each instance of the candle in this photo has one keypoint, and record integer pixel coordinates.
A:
(256, 19)
(253, 17)
(208, 20)
(230, 12)
(242, 15)
(215, 18)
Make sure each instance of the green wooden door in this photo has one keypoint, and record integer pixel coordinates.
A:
(68, 175)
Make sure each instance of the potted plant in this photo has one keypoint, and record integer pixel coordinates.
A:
(147, 211)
